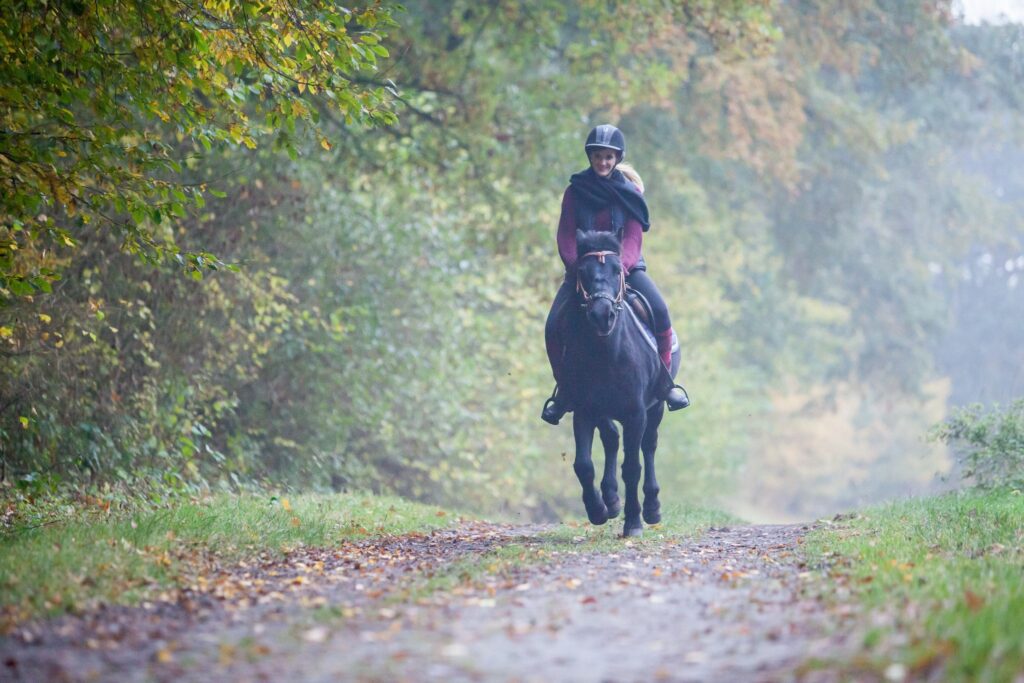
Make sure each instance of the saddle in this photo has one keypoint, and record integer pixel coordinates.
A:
(641, 307)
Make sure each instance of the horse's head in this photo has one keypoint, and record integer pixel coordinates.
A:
(600, 278)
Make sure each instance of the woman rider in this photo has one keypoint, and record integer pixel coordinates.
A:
(604, 198)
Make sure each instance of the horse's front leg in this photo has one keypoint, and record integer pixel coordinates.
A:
(583, 429)
(632, 434)
(652, 506)
(610, 480)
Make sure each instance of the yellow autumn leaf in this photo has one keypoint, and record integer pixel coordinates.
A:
(44, 318)
(286, 505)
(325, 144)
(6, 331)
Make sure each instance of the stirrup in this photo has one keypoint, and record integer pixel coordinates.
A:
(680, 403)
(554, 409)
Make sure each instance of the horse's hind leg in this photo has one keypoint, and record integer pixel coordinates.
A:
(583, 430)
(610, 481)
(652, 506)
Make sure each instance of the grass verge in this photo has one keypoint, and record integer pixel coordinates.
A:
(943, 580)
(87, 553)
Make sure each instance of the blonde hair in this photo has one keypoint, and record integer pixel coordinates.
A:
(631, 175)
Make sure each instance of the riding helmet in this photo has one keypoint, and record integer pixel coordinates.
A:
(606, 136)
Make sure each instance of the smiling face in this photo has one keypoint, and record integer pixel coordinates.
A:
(603, 161)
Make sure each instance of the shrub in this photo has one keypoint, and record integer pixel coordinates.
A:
(988, 443)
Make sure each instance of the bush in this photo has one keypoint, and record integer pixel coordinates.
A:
(989, 444)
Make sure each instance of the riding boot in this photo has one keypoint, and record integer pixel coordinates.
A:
(559, 404)
(676, 397)
(555, 407)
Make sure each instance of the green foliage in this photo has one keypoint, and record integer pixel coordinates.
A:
(106, 107)
(940, 581)
(989, 443)
(384, 328)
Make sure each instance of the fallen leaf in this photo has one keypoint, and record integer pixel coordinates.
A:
(895, 672)
(455, 650)
(974, 601)
(317, 634)
(226, 654)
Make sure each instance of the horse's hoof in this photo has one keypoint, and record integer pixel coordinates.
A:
(597, 513)
(652, 516)
(614, 508)
(632, 532)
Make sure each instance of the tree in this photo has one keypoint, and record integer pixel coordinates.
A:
(106, 105)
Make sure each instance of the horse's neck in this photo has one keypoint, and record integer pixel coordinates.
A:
(606, 349)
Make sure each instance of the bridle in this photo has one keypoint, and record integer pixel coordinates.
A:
(588, 298)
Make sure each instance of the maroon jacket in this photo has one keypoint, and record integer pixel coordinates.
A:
(632, 235)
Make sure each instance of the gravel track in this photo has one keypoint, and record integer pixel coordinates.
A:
(733, 605)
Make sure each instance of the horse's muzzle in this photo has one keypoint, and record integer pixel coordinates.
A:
(603, 313)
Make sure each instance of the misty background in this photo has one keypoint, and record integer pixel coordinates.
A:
(836, 195)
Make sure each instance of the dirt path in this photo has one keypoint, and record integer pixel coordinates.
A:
(731, 606)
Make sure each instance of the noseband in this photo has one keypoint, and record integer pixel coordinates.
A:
(588, 298)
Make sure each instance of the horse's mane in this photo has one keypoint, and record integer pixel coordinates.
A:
(597, 240)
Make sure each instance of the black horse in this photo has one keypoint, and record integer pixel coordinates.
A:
(616, 374)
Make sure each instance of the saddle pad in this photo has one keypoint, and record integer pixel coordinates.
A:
(649, 335)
